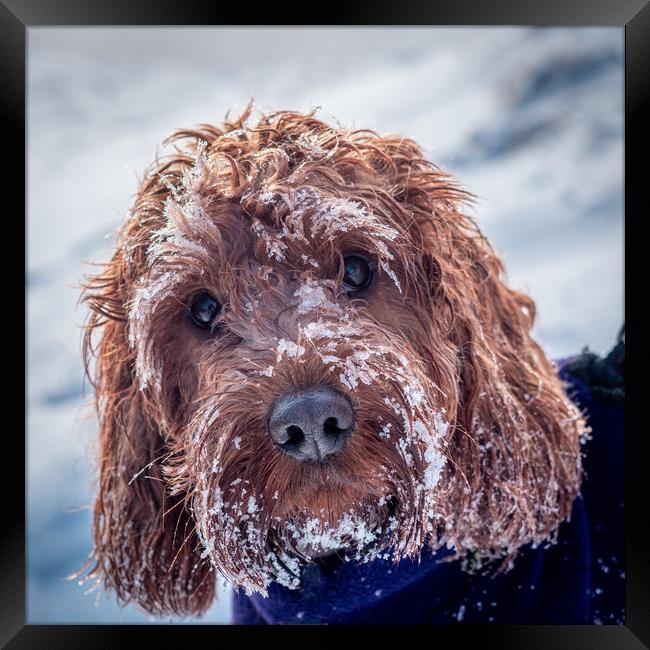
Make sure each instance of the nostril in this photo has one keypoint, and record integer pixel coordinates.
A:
(331, 427)
(295, 435)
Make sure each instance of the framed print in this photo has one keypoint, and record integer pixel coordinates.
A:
(326, 324)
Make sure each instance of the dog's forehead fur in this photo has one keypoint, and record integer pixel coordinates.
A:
(463, 435)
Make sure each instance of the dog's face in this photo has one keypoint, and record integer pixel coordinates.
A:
(306, 347)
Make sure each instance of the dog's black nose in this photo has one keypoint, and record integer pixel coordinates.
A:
(311, 424)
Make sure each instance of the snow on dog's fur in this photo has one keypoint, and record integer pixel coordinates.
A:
(463, 434)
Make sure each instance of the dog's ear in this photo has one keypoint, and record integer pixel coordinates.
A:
(145, 545)
(516, 466)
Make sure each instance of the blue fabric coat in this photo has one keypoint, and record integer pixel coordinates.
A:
(580, 579)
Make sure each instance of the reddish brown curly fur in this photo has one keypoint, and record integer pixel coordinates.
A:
(464, 435)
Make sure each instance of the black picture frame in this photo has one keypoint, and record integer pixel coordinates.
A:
(16, 16)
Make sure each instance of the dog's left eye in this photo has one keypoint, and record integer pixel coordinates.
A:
(204, 309)
(358, 273)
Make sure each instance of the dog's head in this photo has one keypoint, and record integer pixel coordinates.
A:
(305, 346)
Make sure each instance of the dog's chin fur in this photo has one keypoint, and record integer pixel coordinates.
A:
(464, 437)
(307, 536)
(324, 506)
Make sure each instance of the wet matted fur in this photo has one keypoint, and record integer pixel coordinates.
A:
(463, 437)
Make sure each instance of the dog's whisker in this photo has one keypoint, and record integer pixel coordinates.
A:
(176, 505)
(149, 465)
(180, 549)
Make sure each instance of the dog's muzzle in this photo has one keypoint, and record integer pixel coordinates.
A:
(312, 424)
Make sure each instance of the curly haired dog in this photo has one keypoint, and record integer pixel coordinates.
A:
(306, 347)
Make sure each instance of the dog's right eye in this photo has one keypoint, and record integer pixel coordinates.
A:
(358, 273)
(204, 310)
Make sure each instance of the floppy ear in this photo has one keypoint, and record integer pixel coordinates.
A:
(145, 545)
(518, 435)
(515, 450)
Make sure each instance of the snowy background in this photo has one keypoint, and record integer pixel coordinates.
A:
(529, 120)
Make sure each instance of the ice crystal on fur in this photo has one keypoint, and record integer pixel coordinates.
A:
(275, 247)
(392, 275)
(317, 537)
(151, 291)
(336, 215)
(309, 143)
(310, 260)
(289, 348)
(311, 295)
